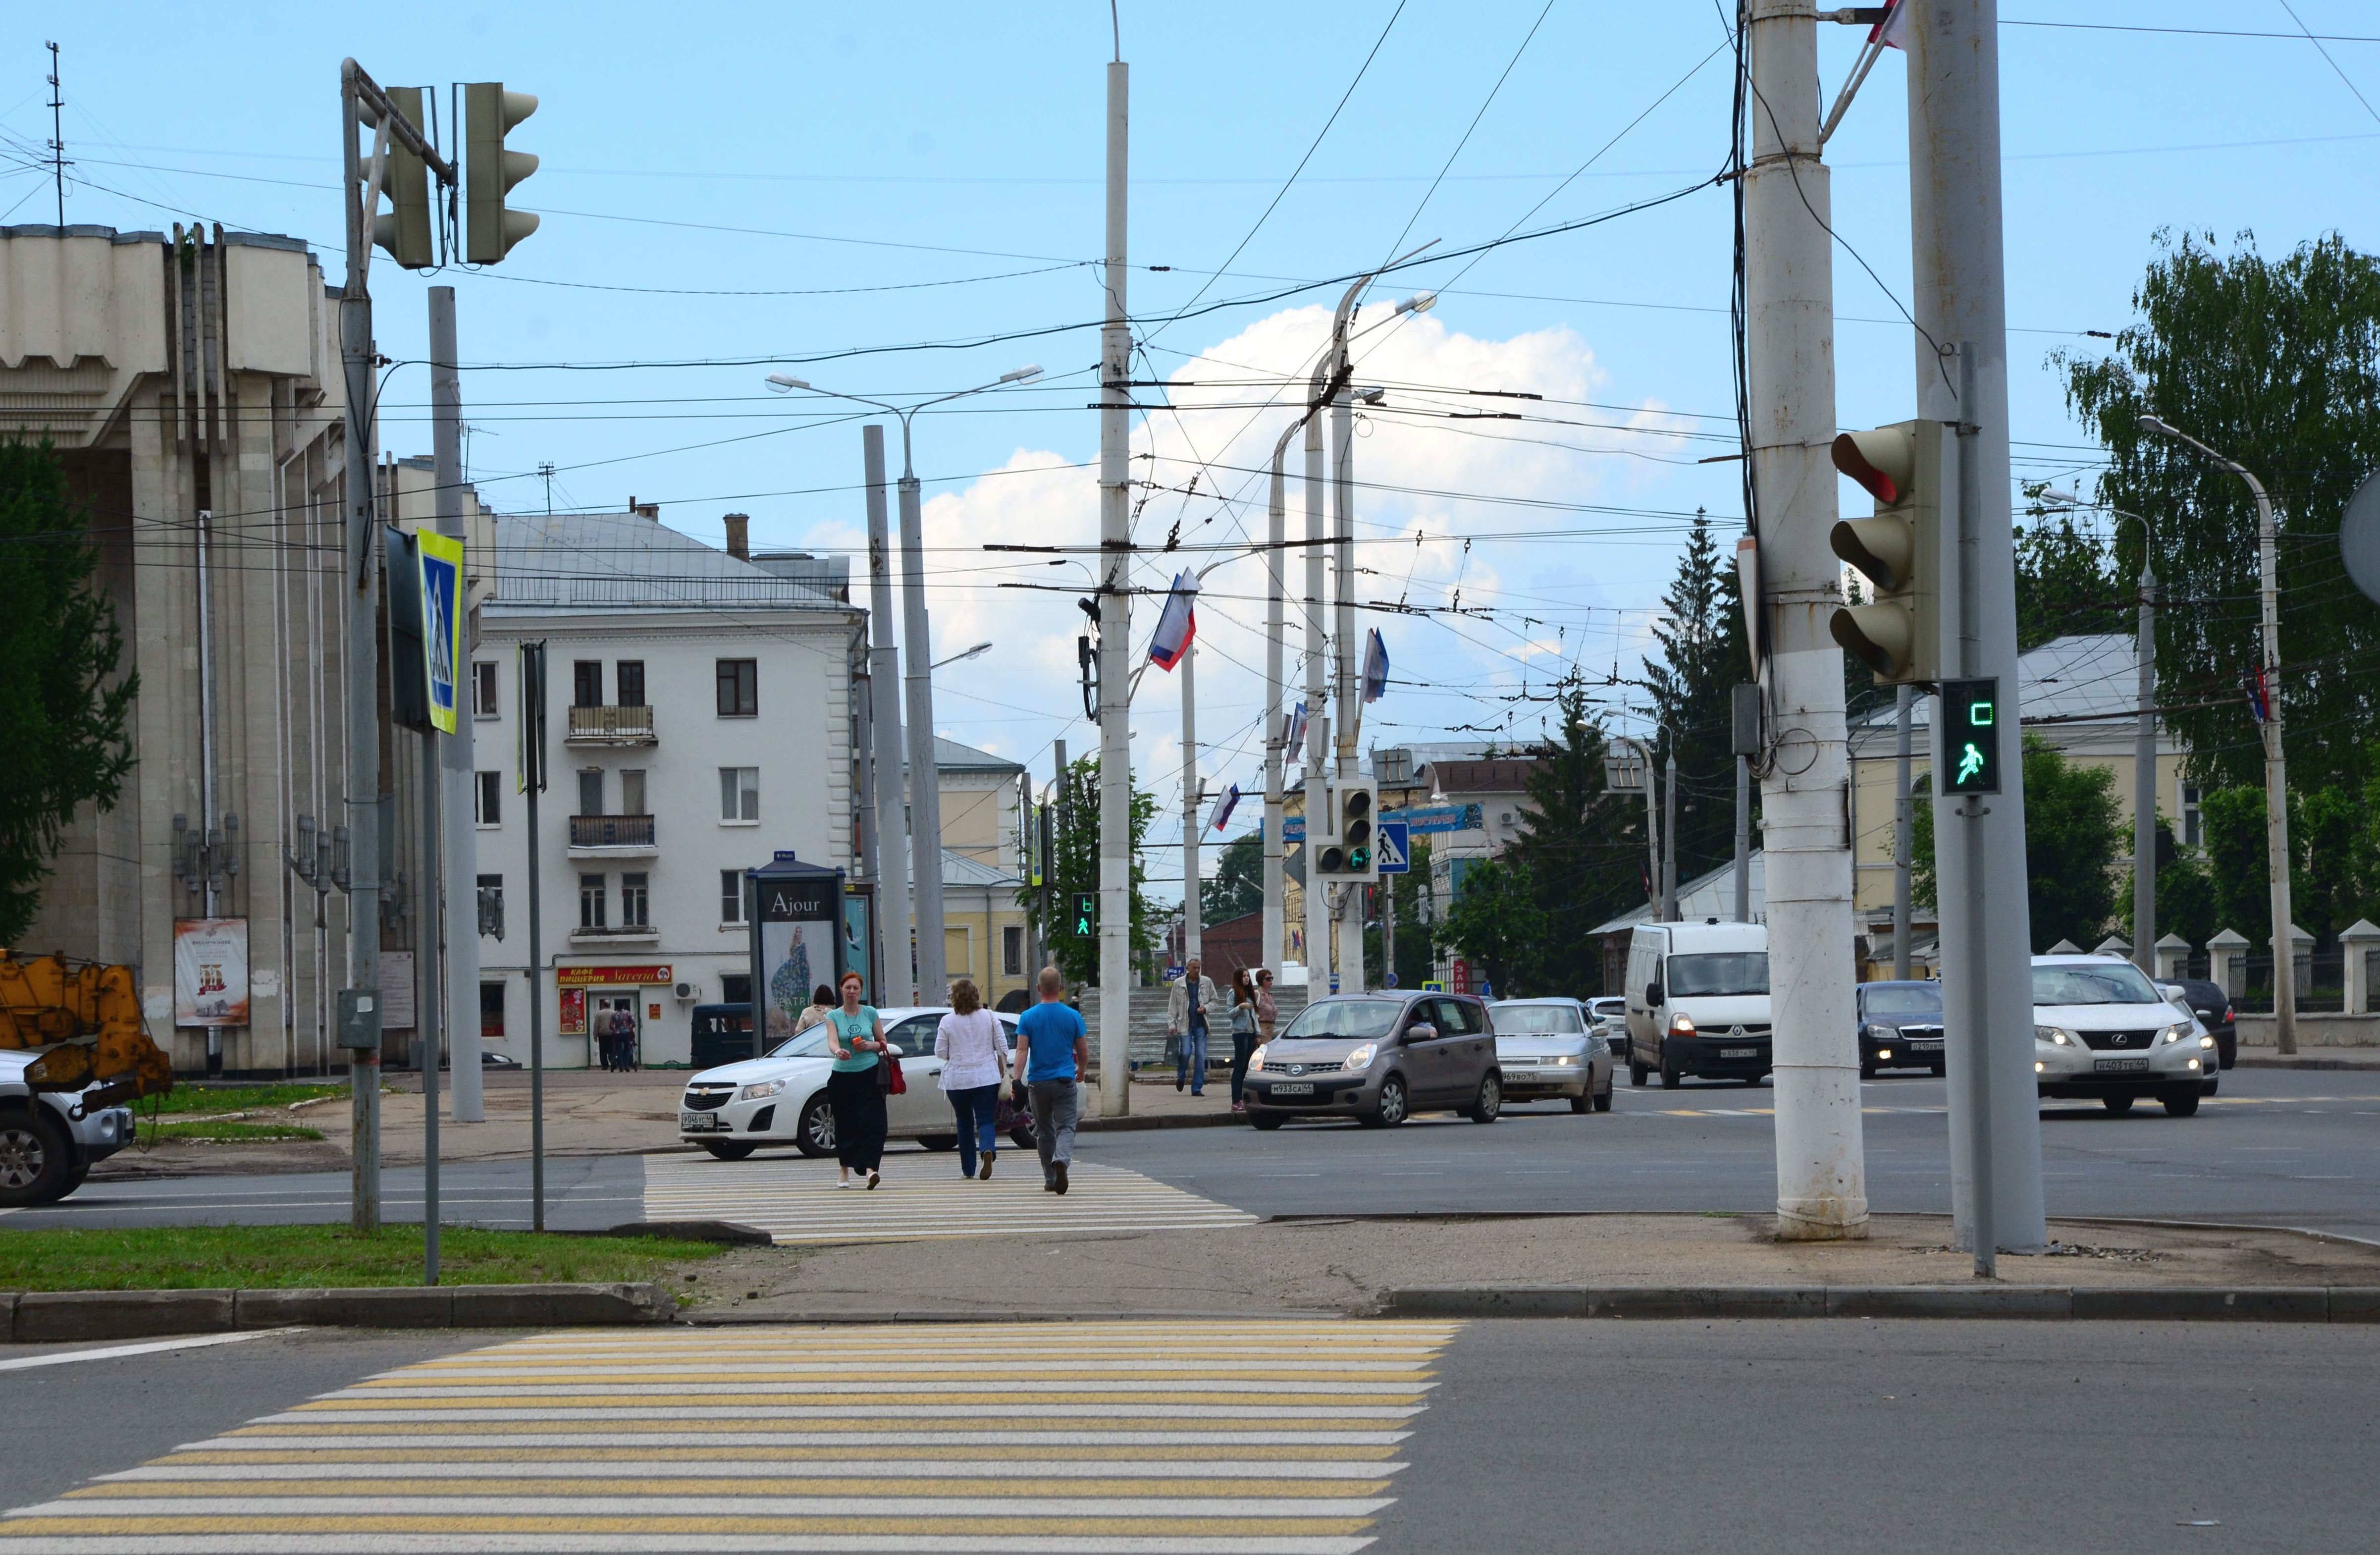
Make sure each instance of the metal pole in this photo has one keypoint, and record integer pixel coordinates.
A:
(1115, 623)
(2145, 778)
(885, 711)
(1904, 833)
(428, 1022)
(1789, 286)
(925, 772)
(460, 847)
(361, 663)
(1669, 839)
(1960, 303)
(1190, 797)
(1276, 927)
(1744, 839)
(1061, 810)
(532, 696)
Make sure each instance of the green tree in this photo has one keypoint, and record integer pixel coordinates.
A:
(1582, 846)
(1078, 867)
(2065, 584)
(1237, 887)
(63, 711)
(2187, 902)
(1496, 921)
(1703, 656)
(2232, 820)
(2074, 833)
(2277, 363)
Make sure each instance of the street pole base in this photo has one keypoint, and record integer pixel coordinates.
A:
(1822, 1219)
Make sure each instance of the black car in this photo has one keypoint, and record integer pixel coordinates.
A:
(2213, 1008)
(1899, 1026)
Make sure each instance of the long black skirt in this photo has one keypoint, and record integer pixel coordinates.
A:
(859, 1121)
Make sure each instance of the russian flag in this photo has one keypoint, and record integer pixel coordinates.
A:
(1376, 666)
(1889, 29)
(1295, 737)
(1178, 626)
(1224, 805)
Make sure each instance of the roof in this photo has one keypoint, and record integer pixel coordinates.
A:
(959, 870)
(2072, 679)
(1707, 896)
(1502, 775)
(952, 757)
(578, 562)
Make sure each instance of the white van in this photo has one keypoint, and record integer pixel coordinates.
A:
(1698, 1001)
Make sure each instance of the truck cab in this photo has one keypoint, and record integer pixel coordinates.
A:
(1698, 1001)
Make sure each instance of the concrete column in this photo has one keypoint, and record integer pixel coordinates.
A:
(2224, 953)
(2173, 957)
(2359, 939)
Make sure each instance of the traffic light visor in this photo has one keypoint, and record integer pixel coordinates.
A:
(1884, 549)
(1882, 637)
(1883, 461)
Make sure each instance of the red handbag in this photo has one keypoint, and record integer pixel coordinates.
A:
(895, 1083)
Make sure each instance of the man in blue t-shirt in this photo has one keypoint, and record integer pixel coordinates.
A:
(1053, 1049)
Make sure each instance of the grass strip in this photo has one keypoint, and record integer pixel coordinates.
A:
(217, 1258)
(187, 1097)
(225, 1130)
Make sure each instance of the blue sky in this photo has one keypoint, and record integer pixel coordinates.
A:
(787, 182)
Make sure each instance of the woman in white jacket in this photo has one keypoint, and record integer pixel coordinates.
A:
(975, 1062)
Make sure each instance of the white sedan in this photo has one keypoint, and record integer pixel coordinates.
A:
(780, 1097)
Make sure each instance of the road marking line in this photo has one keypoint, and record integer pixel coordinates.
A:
(200, 1342)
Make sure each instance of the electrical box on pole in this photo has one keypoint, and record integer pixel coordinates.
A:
(1348, 851)
(491, 172)
(1898, 551)
(1970, 723)
(407, 231)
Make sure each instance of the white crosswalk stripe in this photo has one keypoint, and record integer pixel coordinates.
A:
(796, 1201)
(1268, 1438)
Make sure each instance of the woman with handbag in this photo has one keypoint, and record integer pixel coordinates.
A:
(974, 1062)
(1243, 1035)
(855, 1086)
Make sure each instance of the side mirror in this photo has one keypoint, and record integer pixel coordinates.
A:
(1652, 994)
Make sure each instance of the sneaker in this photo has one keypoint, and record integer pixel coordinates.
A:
(983, 1172)
(1049, 1178)
(1177, 1081)
(1058, 1184)
(1239, 1106)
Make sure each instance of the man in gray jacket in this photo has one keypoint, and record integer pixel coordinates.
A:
(1189, 1010)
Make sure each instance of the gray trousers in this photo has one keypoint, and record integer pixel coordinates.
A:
(1055, 1109)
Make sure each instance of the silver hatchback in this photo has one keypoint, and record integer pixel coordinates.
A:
(1379, 1058)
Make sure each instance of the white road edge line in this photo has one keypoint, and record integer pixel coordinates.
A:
(25, 1363)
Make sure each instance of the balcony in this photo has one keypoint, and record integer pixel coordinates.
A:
(612, 726)
(611, 836)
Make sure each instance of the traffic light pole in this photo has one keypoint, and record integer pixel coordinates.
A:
(1115, 623)
(460, 842)
(1789, 286)
(1959, 305)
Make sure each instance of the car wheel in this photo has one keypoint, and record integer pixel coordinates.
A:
(1939, 1069)
(1603, 1099)
(2228, 1053)
(36, 1157)
(815, 1135)
(1390, 1109)
(2181, 1103)
(1867, 1071)
(1489, 1104)
(1023, 1138)
(1672, 1077)
(2119, 1105)
(939, 1141)
(1636, 1072)
(1266, 1122)
(729, 1150)
(1579, 1103)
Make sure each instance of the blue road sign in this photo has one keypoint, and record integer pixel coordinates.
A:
(1396, 858)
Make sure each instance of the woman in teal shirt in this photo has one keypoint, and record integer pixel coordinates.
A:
(855, 1089)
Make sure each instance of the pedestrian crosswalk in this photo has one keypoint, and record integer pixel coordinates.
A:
(796, 1201)
(1278, 1438)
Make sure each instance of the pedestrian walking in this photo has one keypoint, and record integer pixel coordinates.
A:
(821, 1003)
(855, 1084)
(1053, 1049)
(1243, 1035)
(1187, 1011)
(975, 1065)
(1267, 1008)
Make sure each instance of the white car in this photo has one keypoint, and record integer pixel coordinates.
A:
(48, 1141)
(780, 1097)
(2102, 1030)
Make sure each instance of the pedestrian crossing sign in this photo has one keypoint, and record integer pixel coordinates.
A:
(1392, 850)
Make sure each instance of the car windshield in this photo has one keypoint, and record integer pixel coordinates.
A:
(1904, 999)
(1345, 1018)
(2106, 983)
(1718, 973)
(806, 1044)
(1535, 1020)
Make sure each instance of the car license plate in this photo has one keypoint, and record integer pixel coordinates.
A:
(1739, 1052)
(1292, 1087)
(701, 1123)
(2120, 1066)
(1933, 1047)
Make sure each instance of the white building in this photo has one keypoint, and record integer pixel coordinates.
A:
(701, 722)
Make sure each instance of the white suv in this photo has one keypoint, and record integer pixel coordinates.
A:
(2102, 1030)
(49, 1140)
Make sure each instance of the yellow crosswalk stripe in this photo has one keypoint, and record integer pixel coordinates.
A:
(796, 1201)
(1257, 1438)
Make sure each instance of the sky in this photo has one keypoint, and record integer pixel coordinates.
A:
(901, 201)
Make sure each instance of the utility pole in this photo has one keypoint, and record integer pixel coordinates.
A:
(1276, 927)
(2145, 774)
(459, 843)
(1670, 840)
(1789, 289)
(1060, 811)
(426, 972)
(1342, 626)
(1904, 833)
(59, 136)
(1962, 349)
(1317, 707)
(1115, 622)
(892, 859)
(1191, 795)
(532, 727)
(925, 772)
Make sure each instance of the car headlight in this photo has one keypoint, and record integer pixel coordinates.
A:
(2207, 1042)
(1681, 1025)
(1362, 1057)
(1570, 1059)
(1256, 1059)
(759, 1088)
(2058, 1035)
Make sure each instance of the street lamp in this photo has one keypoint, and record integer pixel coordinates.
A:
(978, 651)
(925, 796)
(2143, 742)
(2277, 790)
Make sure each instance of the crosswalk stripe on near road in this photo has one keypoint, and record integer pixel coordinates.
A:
(796, 1201)
(1273, 1438)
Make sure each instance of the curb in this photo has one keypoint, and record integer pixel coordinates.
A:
(53, 1317)
(1131, 1121)
(2300, 1303)
(2300, 1061)
(844, 1316)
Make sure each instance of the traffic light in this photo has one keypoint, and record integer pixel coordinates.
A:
(1970, 716)
(1086, 914)
(1898, 550)
(406, 231)
(1349, 849)
(489, 171)
(409, 654)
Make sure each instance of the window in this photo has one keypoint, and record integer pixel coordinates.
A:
(1012, 951)
(491, 1009)
(591, 901)
(488, 798)
(740, 794)
(483, 689)
(739, 689)
(635, 905)
(2191, 833)
(631, 682)
(632, 793)
(492, 906)
(735, 988)
(731, 896)
(587, 682)
(590, 792)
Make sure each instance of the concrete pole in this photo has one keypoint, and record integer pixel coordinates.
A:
(925, 772)
(1744, 839)
(1317, 903)
(2144, 782)
(1115, 623)
(460, 842)
(863, 745)
(532, 735)
(1276, 925)
(1904, 833)
(1190, 796)
(362, 665)
(1350, 699)
(892, 860)
(1962, 349)
(1821, 1149)
(1060, 812)
(1670, 840)
(427, 1026)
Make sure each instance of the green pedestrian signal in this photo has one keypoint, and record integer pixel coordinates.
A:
(1971, 718)
(1086, 914)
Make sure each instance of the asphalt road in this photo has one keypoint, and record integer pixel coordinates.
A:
(2277, 1147)
(1641, 1436)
